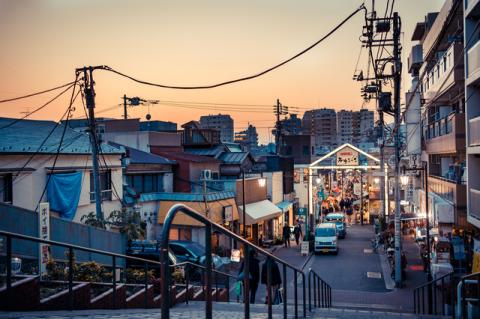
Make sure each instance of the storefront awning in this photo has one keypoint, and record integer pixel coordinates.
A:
(285, 206)
(259, 211)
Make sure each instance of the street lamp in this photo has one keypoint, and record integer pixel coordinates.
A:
(376, 180)
(318, 180)
(262, 181)
(404, 179)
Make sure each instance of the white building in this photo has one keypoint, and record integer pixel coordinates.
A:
(220, 122)
(28, 160)
(472, 108)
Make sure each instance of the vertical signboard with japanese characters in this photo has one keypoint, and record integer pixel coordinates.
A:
(347, 157)
(44, 233)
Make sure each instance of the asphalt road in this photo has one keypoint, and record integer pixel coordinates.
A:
(348, 270)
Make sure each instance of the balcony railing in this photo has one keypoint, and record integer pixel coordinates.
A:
(446, 134)
(441, 78)
(474, 209)
(474, 131)
(473, 62)
(449, 190)
(429, 43)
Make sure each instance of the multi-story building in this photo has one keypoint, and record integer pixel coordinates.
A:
(291, 125)
(322, 124)
(441, 72)
(220, 122)
(355, 127)
(158, 126)
(345, 126)
(247, 138)
(472, 109)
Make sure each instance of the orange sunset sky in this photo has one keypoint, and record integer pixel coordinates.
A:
(189, 43)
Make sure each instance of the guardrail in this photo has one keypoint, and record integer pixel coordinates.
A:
(165, 271)
(468, 293)
(435, 296)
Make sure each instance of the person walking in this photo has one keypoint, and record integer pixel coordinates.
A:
(275, 280)
(286, 235)
(253, 272)
(297, 231)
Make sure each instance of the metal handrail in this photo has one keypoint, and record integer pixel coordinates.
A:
(165, 272)
(463, 299)
(188, 264)
(429, 291)
(9, 236)
(322, 292)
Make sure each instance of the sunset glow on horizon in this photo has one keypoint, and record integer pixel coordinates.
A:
(189, 43)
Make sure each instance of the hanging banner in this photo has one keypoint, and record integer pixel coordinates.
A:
(347, 156)
(43, 233)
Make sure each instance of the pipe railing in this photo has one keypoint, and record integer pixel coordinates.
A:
(322, 292)
(188, 266)
(165, 271)
(71, 248)
(432, 298)
(469, 289)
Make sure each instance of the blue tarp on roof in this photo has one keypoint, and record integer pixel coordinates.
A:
(63, 193)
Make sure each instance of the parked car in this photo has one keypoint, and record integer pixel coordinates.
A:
(339, 220)
(192, 252)
(326, 238)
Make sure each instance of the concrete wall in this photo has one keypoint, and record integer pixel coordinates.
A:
(274, 186)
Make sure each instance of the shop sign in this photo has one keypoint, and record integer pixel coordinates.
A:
(44, 233)
(228, 213)
(458, 248)
(305, 247)
(347, 157)
(357, 189)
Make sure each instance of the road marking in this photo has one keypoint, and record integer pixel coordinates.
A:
(373, 274)
(367, 251)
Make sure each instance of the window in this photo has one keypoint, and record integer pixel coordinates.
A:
(6, 188)
(105, 185)
(306, 150)
(146, 183)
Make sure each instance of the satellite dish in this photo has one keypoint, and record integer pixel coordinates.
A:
(148, 117)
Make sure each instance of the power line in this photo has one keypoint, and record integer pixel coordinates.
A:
(36, 93)
(72, 100)
(39, 108)
(211, 86)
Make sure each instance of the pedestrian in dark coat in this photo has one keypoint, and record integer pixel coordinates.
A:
(254, 274)
(286, 235)
(297, 231)
(275, 277)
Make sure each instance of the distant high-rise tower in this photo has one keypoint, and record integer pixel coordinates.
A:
(220, 122)
(247, 138)
(322, 124)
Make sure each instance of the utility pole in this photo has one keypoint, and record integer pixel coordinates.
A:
(396, 94)
(90, 102)
(125, 107)
(278, 110)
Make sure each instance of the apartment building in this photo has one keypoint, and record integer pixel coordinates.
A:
(355, 127)
(441, 74)
(472, 109)
(345, 127)
(247, 138)
(322, 124)
(220, 122)
(291, 125)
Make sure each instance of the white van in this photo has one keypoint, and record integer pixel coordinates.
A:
(326, 238)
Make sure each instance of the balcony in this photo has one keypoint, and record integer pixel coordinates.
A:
(415, 59)
(474, 209)
(474, 131)
(446, 135)
(473, 64)
(472, 8)
(430, 41)
(440, 79)
(449, 190)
